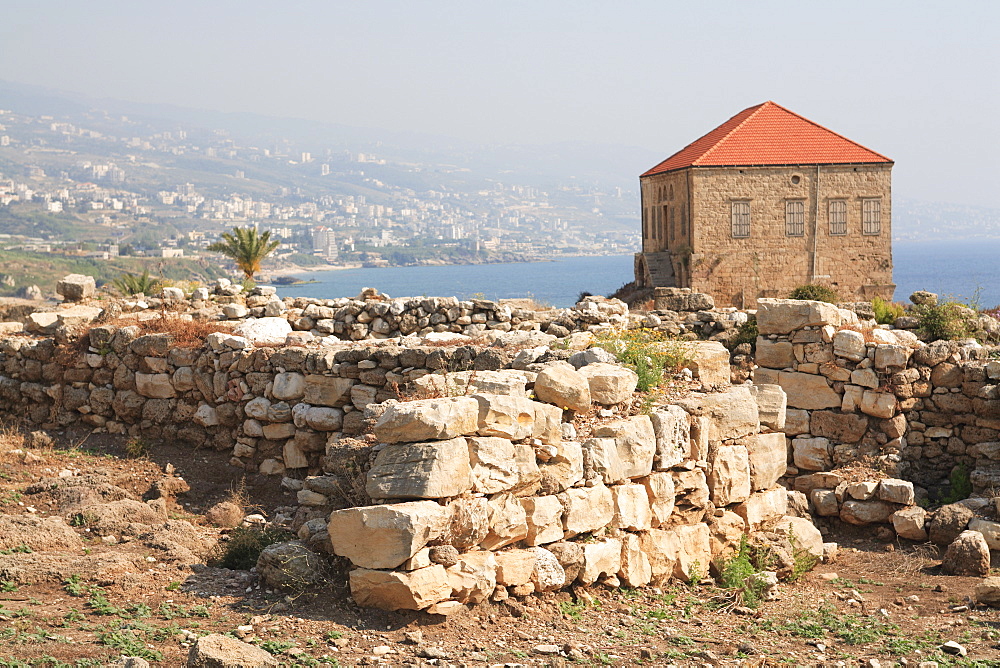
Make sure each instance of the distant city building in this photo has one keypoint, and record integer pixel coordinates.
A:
(324, 243)
(764, 203)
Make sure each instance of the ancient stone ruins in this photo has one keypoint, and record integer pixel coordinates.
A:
(453, 451)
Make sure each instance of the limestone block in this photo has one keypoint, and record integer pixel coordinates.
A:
(215, 650)
(850, 345)
(278, 431)
(632, 511)
(672, 431)
(709, 362)
(257, 408)
(77, 316)
(385, 536)
(508, 522)
(948, 522)
(504, 382)
(773, 354)
(154, 385)
(892, 356)
(989, 529)
(866, 512)
(327, 390)
(988, 591)
(728, 474)
(763, 506)
(864, 378)
(561, 385)
(768, 459)
(726, 529)
(506, 417)
(430, 470)
(772, 405)
(806, 535)
(564, 470)
(636, 443)
(796, 422)
(324, 418)
(494, 464)
(609, 384)
(514, 567)
(804, 390)
(909, 523)
(291, 454)
(601, 459)
(852, 398)
(838, 427)
(862, 490)
(586, 509)
(691, 489)
(288, 386)
(205, 416)
(811, 454)
(878, 404)
(732, 414)
(694, 551)
(635, 570)
(264, 331)
(660, 547)
(969, 554)
(824, 502)
(548, 423)
(660, 493)
(428, 419)
(894, 490)
(234, 311)
(549, 575)
(413, 590)
(42, 322)
(783, 316)
(603, 558)
(544, 518)
(76, 287)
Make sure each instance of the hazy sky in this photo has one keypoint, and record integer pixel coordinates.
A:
(917, 81)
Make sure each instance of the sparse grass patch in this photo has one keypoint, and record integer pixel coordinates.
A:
(887, 312)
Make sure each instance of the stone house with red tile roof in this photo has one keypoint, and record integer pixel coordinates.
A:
(764, 203)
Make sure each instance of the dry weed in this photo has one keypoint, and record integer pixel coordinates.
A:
(11, 438)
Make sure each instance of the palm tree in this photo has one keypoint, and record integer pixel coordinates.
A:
(134, 284)
(246, 247)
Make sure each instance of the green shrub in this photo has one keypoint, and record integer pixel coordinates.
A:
(745, 333)
(647, 352)
(886, 312)
(740, 573)
(244, 546)
(959, 485)
(819, 293)
(946, 321)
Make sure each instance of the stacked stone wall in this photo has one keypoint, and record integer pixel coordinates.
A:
(861, 393)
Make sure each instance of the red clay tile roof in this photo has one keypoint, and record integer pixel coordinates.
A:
(768, 134)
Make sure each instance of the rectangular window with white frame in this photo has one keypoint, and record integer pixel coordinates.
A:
(741, 220)
(795, 218)
(838, 217)
(871, 216)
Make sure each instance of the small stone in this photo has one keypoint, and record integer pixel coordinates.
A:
(829, 576)
(952, 647)
(545, 650)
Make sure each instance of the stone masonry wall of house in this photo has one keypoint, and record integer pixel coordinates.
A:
(770, 263)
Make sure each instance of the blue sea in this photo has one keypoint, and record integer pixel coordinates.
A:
(964, 270)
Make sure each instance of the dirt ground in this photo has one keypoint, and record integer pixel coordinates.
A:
(86, 600)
